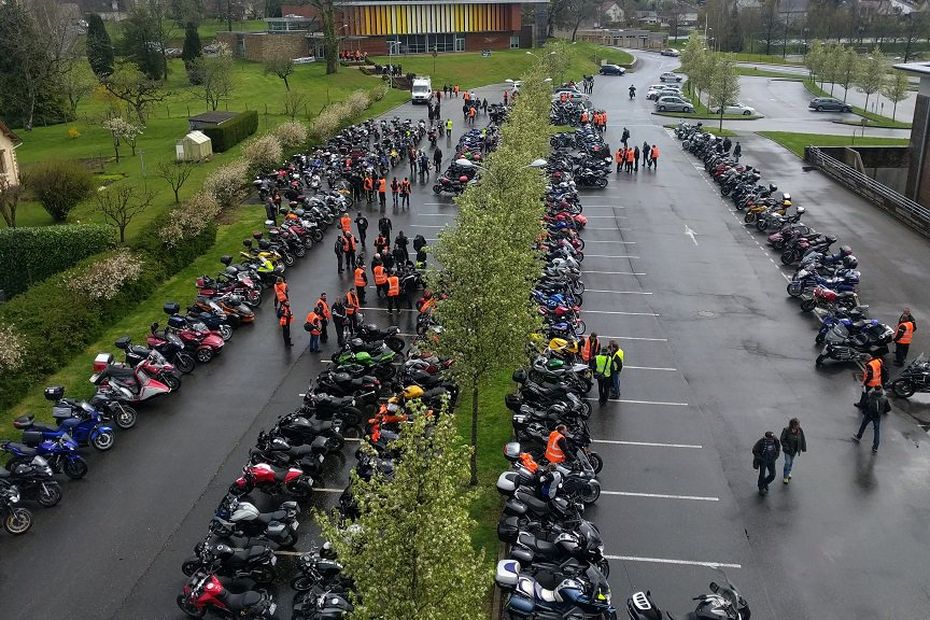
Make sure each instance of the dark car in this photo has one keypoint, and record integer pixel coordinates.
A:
(828, 104)
(612, 70)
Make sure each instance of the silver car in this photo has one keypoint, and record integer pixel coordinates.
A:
(672, 103)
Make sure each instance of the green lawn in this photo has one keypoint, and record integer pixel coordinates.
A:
(770, 59)
(207, 30)
(873, 120)
(795, 142)
(769, 73)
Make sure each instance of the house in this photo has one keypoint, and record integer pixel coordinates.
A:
(612, 12)
(9, 168)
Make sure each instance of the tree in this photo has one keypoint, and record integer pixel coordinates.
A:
(9, 201)
(895, 89)
(409, 552)
(697, 63)
(99, 46)
(327, 13)
(847, 61)
(870, 74)
(146, 33)
(723, 86)
(576, 11)
(59, 186)
(120, 204)
(192, 49)
(185, 12)
(733, 33)
(122, 131)
(282, 65)
(75, 83)
(816, 60)
(175, 174)
(294, 102)
(214, 75)
(132, 86)
(770, 20)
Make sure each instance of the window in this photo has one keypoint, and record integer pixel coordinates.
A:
(459, 42)
(2, 161)
(515, 42)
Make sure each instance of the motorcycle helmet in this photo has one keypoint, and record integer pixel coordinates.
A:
(263, 244)
(299, 212)
(512, 450)
(850, 262)
(363, 357)
(257, 234)
(247, 243)
(832, 239)
(413, 391)
(356, 343)
(327, 551)
(555, 363)
(773, 188)
(519, 376)
(845, 250)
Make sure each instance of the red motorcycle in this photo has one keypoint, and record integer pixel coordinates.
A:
(829, 300)
(132, 384)
(205, 591)
(272, 480)
(579, 220)
(197, 339)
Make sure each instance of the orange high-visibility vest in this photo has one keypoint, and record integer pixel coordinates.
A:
(526, 459)
(393, 286)
(619, 156)
(346, 223)
(876, 379)
(348, 243)
(908, 334)
(382, 185)
(326, 313)
(654, 153)
(471, 112)
(589, 348)
(280, 291)
(351, 303)
(286, 315)
(360, 276)
(629, 155)
(584, 117)
(380, 275)
(554, 453)
(368, 184)
(314, 319)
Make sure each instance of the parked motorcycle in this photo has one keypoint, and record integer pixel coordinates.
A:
(915, 378)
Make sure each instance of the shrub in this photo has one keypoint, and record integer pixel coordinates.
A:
(28, 255)
(73, 133)
(292, 134)
(263, 154)
(379, 92)
(357, 102)
(233, 131)
(106, 277)
(189, 220)
(227, 184)
(12, 349)
(59, 186)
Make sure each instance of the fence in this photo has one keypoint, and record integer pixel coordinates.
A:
(898, 205)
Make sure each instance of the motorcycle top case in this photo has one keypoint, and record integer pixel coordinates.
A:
(171, 307)
(54, 392)
(31, 438)
(176, 322)
(507, 529)
(102, 361)
(507, 573)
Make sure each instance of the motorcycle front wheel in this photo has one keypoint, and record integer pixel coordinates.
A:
(103, 440)
(184, 363)
(189, 608)
(302, 583)
(18, 521)
(903, 388)
(204, 355)
(124, 416)
(172, 381)
(189, 567)
(226, 332)
(808, 304)
(49, 494)
(75, 468)
(597, 463)
(795, 289)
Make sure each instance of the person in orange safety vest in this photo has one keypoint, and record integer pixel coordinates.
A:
(361, 281)
(903, 337)
(557, 445)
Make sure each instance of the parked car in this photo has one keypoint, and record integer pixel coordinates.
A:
(658, 90)
(736, 108)
(612, 70)
(668, 76)
(673, 103)
(670, 52)
(828, 104)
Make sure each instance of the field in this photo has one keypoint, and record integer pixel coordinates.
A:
(795, 142)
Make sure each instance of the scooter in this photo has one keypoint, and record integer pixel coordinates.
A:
(134, 385)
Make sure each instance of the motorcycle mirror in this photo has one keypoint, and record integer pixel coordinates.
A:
(714, 587)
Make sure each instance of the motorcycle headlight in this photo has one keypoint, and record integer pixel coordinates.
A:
(274, 559)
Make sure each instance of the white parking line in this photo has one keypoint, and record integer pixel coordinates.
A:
(665, 368)
(620, 312)
(696, 498)
(327, 490)
(618, 273)
(633, 558)
(646, 444)
(642, 402)
(608, 256)
(636, 338)
(606, 292)
(587, 241)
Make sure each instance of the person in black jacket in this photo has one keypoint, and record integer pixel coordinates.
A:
(876, 405)
(792, 445)
(765, 454)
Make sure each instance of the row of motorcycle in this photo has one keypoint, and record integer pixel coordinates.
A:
(471, 147)
(583, 154)
(826, 281)
(196, 335)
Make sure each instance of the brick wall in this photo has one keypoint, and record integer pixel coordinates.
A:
(477, 41)
(260, 46)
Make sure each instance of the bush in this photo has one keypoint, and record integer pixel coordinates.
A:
(12, 349)
(227, 184)
(263, 154)
(59, 186)
(292, 134)
(29, 255)
(106, 277)
(176, 238)
(189, 220)
(233, 131)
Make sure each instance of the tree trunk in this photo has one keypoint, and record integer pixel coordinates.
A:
(721, 117)
(116, 148)
(122, 232)
(866, 108)
(287, 86)
(575, 29)
(894, 110)
(474, 434)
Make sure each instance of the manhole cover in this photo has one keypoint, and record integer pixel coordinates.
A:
(706, 314)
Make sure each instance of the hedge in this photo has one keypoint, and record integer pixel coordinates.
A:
(30, 255)
(171, 260)
(232, 132)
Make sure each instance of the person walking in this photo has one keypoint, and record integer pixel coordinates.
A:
(369, 185)
(381, 245)
(348, 248)
(737, 151)
(616, 367)
(876, 406)
(905, 333)
(602, 367)
(449, 130)
(352, 310)
(625, 136)
(874, 376)
(654, 157)
(322, 308)
(765, 453)
(645, 152)
(361, 281)
(285, 318)
(437, 160)
(484, 106)
(340, 252)
(380, 275)
(393, 292)
(384, 227)
(727, 143)
(405, 193)
(382, 194)
(792, 445)
(312, 326)
(280, 291)
(619, 158)
(361, 223)
(339, 321)
(395, 189)
(345, 223)
(402, 242)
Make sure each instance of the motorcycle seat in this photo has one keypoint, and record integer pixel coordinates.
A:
(534, 504)
(240, 601)
(139, 350)
(117, 372)
(21, 448)
(541, 547)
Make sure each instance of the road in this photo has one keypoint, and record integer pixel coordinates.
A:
(715, 355)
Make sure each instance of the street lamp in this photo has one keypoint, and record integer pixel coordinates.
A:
(467, 163)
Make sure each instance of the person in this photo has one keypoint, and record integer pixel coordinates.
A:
(484, 106)
(413, 163)
(352, 309)
(632, 91)
(654, 157)
(437, 160)
(424, 165)
(395, 189)
(401, 242)
(636, 159)
(361, 281)
(557, 445)
(419, 242)
(382, 194)
(369, 185)
(312, 325)
(449, 128)
(584, 117)
(271, 210)
(393, 292)
(322, 309)
(380, 275)
(727, 143)
(285, 318)
(645, 152)
(616, 367)
(345, 223)
(589, 349)
(405, 193)
(602, 367)
(340, 252)
(765, 454)
(398, 256)
(619, 157)
(361, 222)
(385, 226)
(625, 136)
(280, 291)
(381, 245)
(348, 248)
(471, 116)
(874, 377)
(737, 151)
(903, 337)
(876, 405)
(339, 321)
(792, 445)
(630, 153)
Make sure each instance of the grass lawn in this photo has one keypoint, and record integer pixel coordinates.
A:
(207, 30)
(770, 59)
(769, 73)
(873, 120)
(795, 142)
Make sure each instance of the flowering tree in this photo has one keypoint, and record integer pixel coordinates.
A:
(121, 131)
(12, 348)
(105, 278)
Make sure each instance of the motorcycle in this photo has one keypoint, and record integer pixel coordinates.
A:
(723, 603)
(60, 453)
(915, 378)
(205, 591)
(841, 347)
(120, 383)
(584, 597)
(265, 477)
(78, 420)
(164, 371)
(171, 347)
(16, 519)
(34, 480)
(257, 562)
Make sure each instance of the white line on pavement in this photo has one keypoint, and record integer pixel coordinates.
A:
(620, 312)
(696, 498)
(587, 241)
(595, 290)
(667, 369)
(647, 444)
(618, 273)
(633, 558)
(642, 402)
(608, 256)
(636, 338)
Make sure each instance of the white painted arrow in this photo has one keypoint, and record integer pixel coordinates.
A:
(690, 233)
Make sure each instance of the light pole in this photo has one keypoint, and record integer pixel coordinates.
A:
(467, 163)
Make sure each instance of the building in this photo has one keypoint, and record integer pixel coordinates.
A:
(630, 38)
(918, 174)
(9, 168)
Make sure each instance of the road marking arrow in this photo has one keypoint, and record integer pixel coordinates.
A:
(690, 233)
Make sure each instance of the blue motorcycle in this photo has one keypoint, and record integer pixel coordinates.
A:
(585, 597)
(61, 453)
(78, 420)
(854, 326)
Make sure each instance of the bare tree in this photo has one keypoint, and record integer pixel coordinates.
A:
(129, 84)
(214, 78)
(293, 104)
(9, 200)
(120, 204)
(76, 83)
(175, 174)
(282, 65)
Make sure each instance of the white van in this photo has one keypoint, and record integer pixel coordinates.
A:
(421, 90)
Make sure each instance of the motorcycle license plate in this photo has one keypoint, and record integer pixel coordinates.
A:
(271, 608)
(294, 525)
(320, 457)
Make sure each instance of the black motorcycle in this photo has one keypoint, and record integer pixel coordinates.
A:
(914, 379)
(34, 480)
(255, 562)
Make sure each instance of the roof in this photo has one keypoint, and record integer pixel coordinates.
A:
(9, 134)
(213, 118)
(198, 137)
(916, 68)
